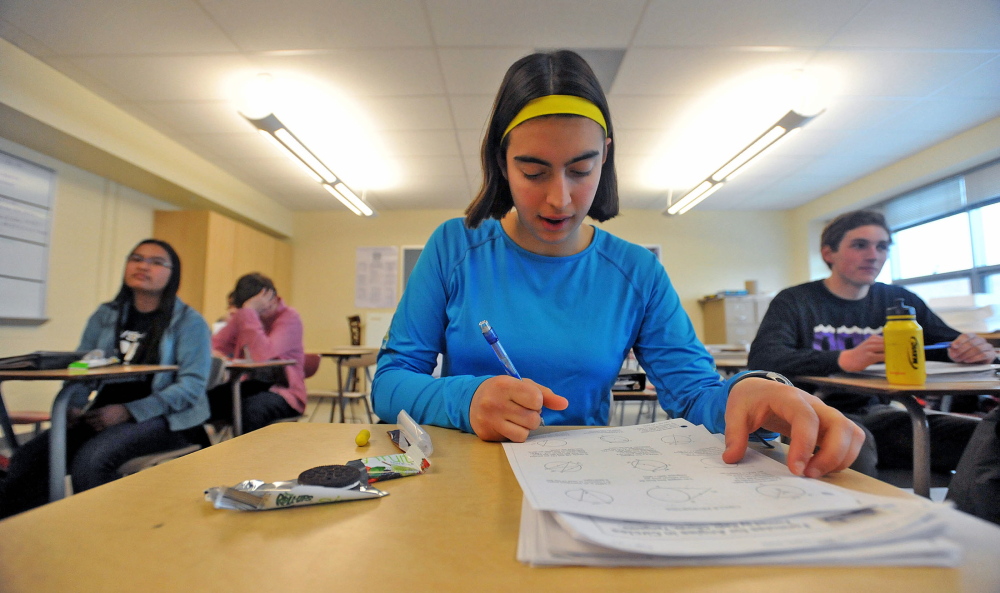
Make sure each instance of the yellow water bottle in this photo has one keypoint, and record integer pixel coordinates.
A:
(904, 346)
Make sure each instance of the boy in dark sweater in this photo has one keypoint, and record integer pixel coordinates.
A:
(835, 325)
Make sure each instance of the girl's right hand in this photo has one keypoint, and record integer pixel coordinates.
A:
(504, 408)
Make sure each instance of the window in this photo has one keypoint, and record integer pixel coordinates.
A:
(989, 219)
(945, 239)
(936, 247)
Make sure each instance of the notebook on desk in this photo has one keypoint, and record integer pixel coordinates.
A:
(40, 360)
(946, 371)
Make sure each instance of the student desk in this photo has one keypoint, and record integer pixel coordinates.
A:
(341, 354)
(646, 395)
(453, 529)
(57, 434)
(906, 395)
(237, 369)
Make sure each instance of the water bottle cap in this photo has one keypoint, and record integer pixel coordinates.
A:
(900, 308)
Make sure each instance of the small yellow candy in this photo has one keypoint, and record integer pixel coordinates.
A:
(362, 438)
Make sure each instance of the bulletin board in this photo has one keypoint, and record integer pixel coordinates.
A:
(27, 195)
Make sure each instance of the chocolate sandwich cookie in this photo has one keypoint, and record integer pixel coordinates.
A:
(331, 476)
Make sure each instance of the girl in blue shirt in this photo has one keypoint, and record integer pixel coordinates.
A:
(568, 299)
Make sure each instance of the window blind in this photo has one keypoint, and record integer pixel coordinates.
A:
(924, 204)
(983, 184)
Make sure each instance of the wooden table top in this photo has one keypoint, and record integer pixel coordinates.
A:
(82, 375)
(880, 386)
(262, 364)
(342, 351)
(454, 528)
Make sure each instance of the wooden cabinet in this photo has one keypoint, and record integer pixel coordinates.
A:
(215, 251)
(733, 319)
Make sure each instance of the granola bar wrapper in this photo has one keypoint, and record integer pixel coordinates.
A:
(256, 495)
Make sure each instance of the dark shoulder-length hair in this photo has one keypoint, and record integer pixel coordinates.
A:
(164, 312)
(539, 75)
(249, 286)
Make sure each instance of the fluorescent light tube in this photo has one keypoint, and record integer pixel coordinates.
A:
(766, 150)
(352, 198)
(281, 137)
(342, 199)
(699, 199)
(691, 196)
(293, 144)
(291, 156)
(765, 140)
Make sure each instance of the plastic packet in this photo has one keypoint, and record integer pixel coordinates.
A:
(256, 495)
(410, 434)
(390, 467)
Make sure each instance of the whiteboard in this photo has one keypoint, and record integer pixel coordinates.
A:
(27, 193)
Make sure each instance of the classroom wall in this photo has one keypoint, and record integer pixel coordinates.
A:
(703, 252)
(94, 225)
(44, 110)
(959, 153)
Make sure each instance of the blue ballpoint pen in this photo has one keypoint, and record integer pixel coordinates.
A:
(494, 342)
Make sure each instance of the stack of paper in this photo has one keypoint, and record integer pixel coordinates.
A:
(950, 372)
(660, 495)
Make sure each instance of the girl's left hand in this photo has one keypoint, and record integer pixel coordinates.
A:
(107, 416)
(822, 439)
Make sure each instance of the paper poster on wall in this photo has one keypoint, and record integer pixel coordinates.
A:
(26, 196)
(375, 277)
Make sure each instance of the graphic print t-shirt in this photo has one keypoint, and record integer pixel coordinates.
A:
(132, 344)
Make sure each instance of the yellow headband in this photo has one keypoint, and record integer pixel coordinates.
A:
(558, 104)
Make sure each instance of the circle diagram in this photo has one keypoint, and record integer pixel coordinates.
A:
(589, 496)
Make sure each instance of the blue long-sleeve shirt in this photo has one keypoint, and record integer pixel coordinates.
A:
(566, 322)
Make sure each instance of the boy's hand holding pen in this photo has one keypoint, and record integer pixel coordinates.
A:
(508, 407)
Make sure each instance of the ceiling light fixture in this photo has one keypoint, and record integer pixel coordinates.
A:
(271, 128)
(785, 127)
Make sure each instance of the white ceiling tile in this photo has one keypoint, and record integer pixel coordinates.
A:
(924, 24)
(781, 163)
(470, 143)
(548, 24)
(646, 112)
(943, 115)
(789, 23)
(908, 73)
(891, 144)
(859, 113)
(631, 142)
(119, 27)
(689, 71)
(171, 78)
(883, 73)
(472, 112)
(424, 166)
(362, 72)
(409, 113)
(473, 172)
(981, 83)
(262, 25)
(407, 143)
(477, 71)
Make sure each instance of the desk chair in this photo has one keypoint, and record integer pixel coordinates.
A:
(30, 417)
(354, 322)
(216, 377)
(351, 393)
